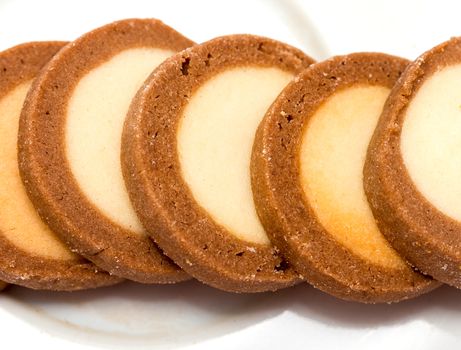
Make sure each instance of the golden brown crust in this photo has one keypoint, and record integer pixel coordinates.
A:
(19, 65)
(417, 230)
(152, 172)
(285, 212)
(46, 171)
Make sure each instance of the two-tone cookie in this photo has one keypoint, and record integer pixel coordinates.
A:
(186, 151)
(412, 173)
(69, 144)
(31, 254)
(307, 167)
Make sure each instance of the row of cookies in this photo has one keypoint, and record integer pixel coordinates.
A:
(248, 179)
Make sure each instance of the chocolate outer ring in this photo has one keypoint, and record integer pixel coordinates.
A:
(282, 206)
(162, 199)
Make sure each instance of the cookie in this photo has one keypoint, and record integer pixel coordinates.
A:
(413, 164)
(186, 151)
(69, 144)
(2, 285)
(31, 255)
(306, 170)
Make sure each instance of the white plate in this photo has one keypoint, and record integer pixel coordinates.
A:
(195, 316)
(191, 315)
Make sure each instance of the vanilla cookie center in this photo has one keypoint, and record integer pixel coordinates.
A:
(431, 140)
(215, 139)
(95, 117)
(19, 222)
(332, 156)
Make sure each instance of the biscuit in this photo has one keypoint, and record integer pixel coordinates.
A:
(30, 253)
(306, 170)
(186, 150)
(69, 144)
(414, 161)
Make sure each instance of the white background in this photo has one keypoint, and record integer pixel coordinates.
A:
(194, 316)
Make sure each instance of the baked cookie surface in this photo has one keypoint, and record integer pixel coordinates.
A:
(186, 152)
(413, 164)
(31, 254)
(69, 144)
(307, 179)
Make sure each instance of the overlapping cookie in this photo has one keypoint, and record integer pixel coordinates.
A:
(31, 255)
(414, 161)
(69, 144)
(186, 153)
(306, 170)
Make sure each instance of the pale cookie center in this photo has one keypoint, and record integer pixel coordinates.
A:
(332, 156)
(19, 221)
(95, 117)
(431, 140)
(215, 139)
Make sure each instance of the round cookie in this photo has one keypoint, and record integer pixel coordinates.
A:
(186, 150)
(31, 255)
(306, 171)
(69, 144)
(414, 161)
